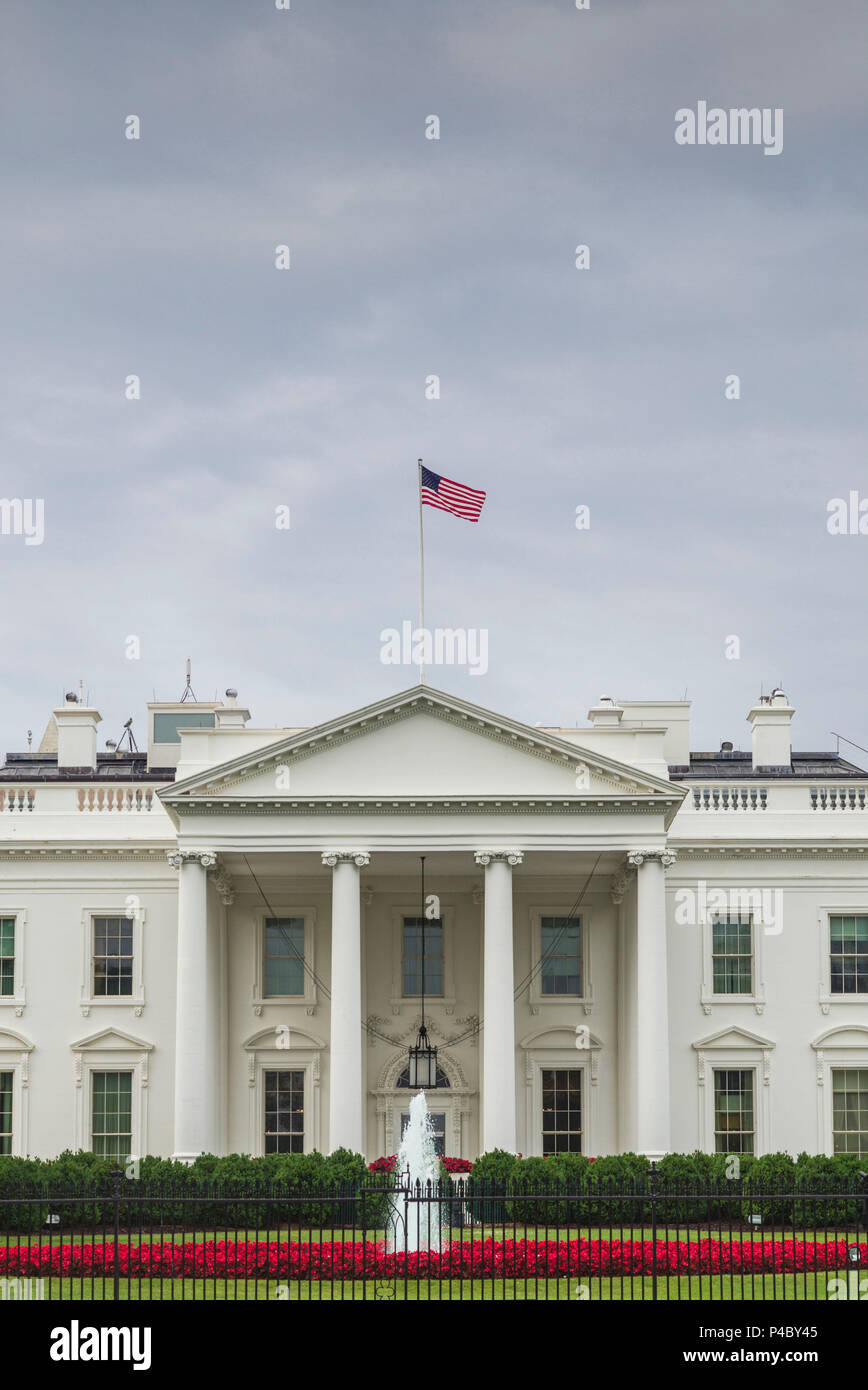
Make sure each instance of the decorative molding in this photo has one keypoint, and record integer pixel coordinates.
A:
(620, 885)
(178, 857)
(360, 857)
(809, 853)
(79, 854)
(512, 857)
(468, 1026)
(666, 857)
(421, 806)
(225, 886)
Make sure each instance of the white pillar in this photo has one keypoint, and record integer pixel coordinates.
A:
(498, 1003)
(346, 1099)
(195, 1063)
(651, 1091)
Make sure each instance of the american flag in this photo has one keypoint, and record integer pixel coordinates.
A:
(451, 497)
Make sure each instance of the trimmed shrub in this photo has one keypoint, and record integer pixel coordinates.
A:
(822, 1175)
(773, 1176)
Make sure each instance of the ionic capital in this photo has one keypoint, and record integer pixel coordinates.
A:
(360, 857)
(666, 857)
(178, 857)
(498, 856)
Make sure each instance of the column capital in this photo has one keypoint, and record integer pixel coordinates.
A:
(666, 857)
(360, 857)
(178, 857)
(498, 856)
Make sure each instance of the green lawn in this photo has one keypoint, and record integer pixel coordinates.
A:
(466, 1233)
(801, 1287)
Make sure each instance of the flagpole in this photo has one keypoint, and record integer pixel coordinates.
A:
(421, 585)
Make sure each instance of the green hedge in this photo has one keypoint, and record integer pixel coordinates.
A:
(614, 1190)
(315, 1190)
(310, 1189)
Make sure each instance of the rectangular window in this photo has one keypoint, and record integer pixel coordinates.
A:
(438, 1125)
(850, 1111)
(732, 954)
(284, 1112)
(112, 956)
(112, 1128)
(848, 950)
(284, 955)
(412, 962)
(562, 1111)
(5, 1112)
(561, 943)
(7, 955)
(167, 726)
(733, 1112)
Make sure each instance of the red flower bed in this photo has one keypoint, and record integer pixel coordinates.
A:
(452, 1165)
(460, 1260)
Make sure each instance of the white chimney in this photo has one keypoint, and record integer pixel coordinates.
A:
(76, 733)
(770, 724)
(231, 715)
(605, 713)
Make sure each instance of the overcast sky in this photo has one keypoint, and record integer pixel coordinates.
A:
(412, 257)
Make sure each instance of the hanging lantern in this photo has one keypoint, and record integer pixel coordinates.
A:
(423, 1057)
(423, 1063)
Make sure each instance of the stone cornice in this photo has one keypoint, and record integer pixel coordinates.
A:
(766, 851)
(423, 806)
(15, 854)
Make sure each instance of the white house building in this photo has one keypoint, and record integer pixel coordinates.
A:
(215, 946)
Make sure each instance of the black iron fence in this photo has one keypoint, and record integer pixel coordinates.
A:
(464, 1239)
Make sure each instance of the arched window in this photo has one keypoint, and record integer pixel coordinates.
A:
(442, 1078)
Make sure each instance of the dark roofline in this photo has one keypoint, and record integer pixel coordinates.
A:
(805, 767)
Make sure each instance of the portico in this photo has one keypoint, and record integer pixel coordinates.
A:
(302, 857)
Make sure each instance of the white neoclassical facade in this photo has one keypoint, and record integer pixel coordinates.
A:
(216, 945)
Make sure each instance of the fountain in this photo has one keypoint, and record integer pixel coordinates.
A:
(417, 1159)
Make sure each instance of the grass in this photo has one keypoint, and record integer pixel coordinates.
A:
(304, 1236)
(768, 1287)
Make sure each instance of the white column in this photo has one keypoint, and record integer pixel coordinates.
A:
(195, 1063)
(346, 1098)
(651, 1047)
(625, 976)
(498, 1003)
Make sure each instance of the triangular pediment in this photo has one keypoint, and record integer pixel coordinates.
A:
(732, 1037)
(111, 1039)
(422, 743)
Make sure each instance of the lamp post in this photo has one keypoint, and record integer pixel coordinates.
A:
(423, 1057)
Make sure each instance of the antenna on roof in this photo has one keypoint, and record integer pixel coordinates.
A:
(128, 735)
(188, 691)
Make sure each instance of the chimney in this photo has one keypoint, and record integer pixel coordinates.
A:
(770, 724)
(76, 733)
(605, 714)
(231, 715)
